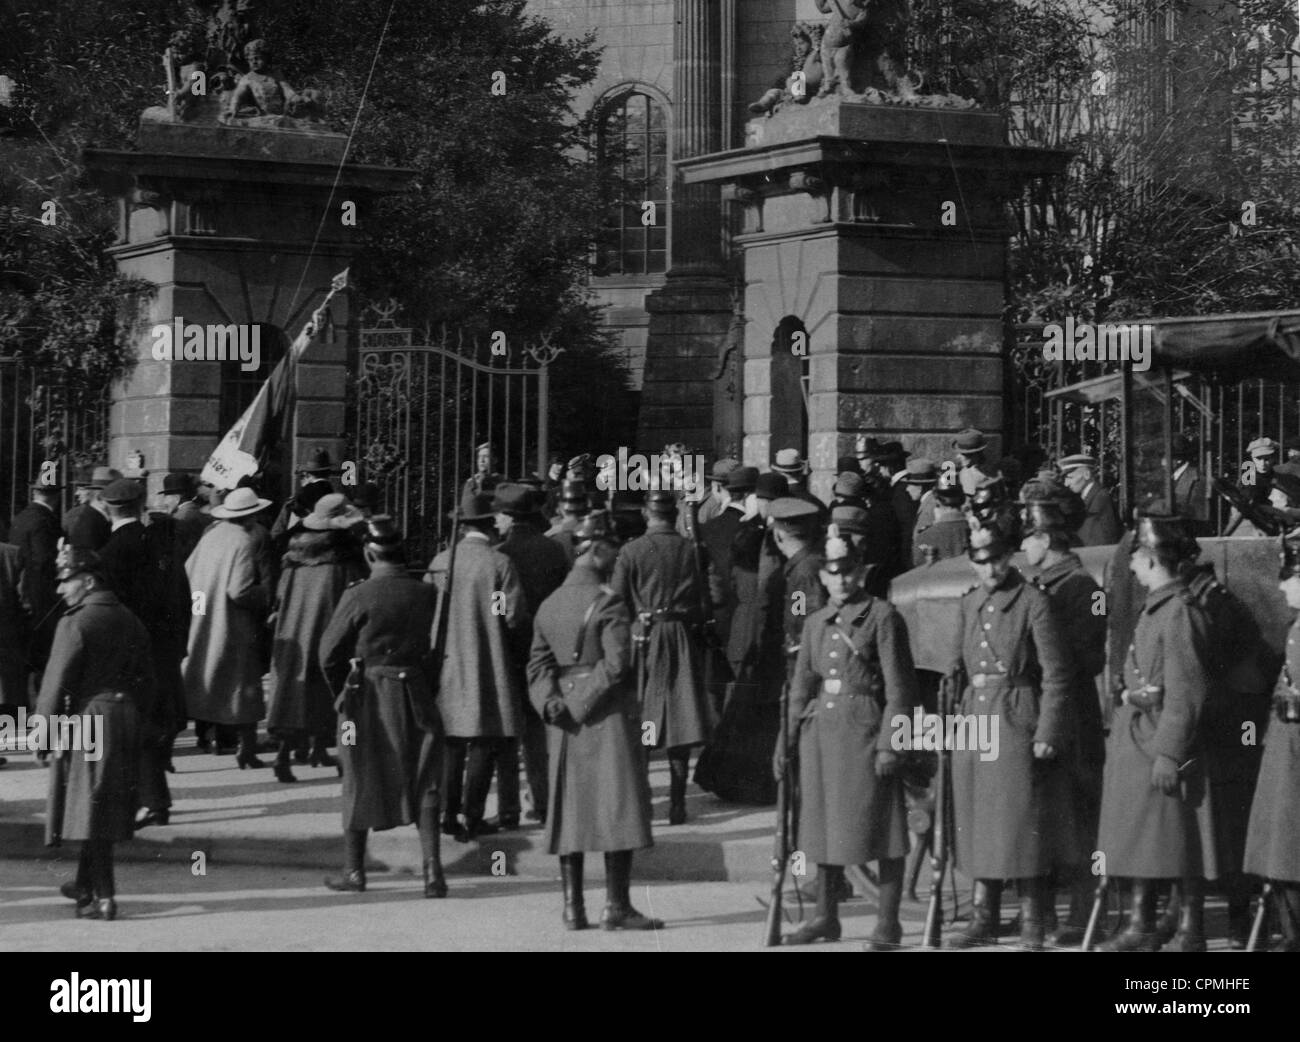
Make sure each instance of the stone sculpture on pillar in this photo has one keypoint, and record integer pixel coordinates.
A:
(806, 72)
(262, 98)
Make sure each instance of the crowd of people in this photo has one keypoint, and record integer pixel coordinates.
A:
(572, 631)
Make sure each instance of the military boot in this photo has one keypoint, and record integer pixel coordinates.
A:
(1140, 934)
(1070, 933)
(354, 864)
(575, 911)
(1191, 920)
(825, 923)
(679, 766)
(889, 895)
(986, 913)
(1032, 925)
(619, 913)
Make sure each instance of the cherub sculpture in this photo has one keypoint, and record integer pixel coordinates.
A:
(260, 92)
(806, 72)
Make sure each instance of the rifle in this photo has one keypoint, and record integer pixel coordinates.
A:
(1261, 914)
(931, 937)
(1098, 903)
(781, 849)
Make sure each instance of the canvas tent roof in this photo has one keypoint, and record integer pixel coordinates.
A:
(1264, 343)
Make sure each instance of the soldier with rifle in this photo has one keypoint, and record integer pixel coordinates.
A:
(1011, 805)
(1273, 841)
(658, 577)
(853, 678)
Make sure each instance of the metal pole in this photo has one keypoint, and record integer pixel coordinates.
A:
(1171, 507)
(1126, 497)
(543, 416)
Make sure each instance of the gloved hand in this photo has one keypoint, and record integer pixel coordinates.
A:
(887, 763)
(557, 712)
(1043, 751)
(1164, 775)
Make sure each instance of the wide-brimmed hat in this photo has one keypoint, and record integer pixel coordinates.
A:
(849, 519)
(178, 483)
(969, 441)
(514, 498)
(474, 506)
(790, 461)
(122, 492)
(791, 508)
(723, 468)
(96, 476)
(771, 486)
(317, 462)
(921, 471)
(742, 479)
(240, 503)
(332, 511)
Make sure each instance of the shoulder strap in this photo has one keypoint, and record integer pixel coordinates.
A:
(605, 593)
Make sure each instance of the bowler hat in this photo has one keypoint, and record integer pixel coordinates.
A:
(317, 462)
(790, 461)
(742, 479)
(848, 465)
(122, 492)
(771, 486)
(514, 499)
(969, 441)
(332, 511)
(240, 503)
(848, 518)
(851, 486)
(178, 483)
(474, 506)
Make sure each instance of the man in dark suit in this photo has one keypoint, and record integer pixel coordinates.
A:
(1100, 525)
(85, 525)
(718, 537)
(542, 566)
(179, 501)
(791, 464)
(35, 531)
(1189, 492)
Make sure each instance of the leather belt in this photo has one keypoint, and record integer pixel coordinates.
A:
(668, 615)
(569, 672)
(392, 662)
(999, 680)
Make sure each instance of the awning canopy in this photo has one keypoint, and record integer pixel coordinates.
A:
(1264, 343)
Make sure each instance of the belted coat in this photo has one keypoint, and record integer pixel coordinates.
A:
(1273, 840)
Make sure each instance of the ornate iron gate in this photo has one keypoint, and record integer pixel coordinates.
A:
(46, 417)
(422, 409)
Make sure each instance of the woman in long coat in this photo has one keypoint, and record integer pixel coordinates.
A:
(101, 670)
(1157, 819)
(852, 679)
(223, 668)
(579, 681)
(1011, 801)
(1273, 841)
(390, 737)
(323, 559)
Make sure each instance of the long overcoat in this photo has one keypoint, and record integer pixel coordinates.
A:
(1145, 833)
(481, 690)
(391, 752)
(1012, 811)
(13, 629)
(1273, 840)
(853, 676)
(317, 568)
(1071, 591)
(99, 666)
(658, 573)
(1100, 525)
(223, 668)
(582, 654)
(35, 531)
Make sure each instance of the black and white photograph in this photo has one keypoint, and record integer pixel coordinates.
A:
(651, 476)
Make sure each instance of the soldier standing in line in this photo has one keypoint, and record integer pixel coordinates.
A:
(376, 655)
(580, 680)
(1273, 841)
(574, 506)
(1075, 599)
(1012, 808)
(657, 576)
(99, 667)
(853, 676)
(1156, 820)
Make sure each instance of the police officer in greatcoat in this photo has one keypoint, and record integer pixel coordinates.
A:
(580, 680)
(1011, 802)
(658, 577)
(376, 656)
(1080, 612)
(1157, 821)
(1273, 841)
(853, 680)
(99, 668)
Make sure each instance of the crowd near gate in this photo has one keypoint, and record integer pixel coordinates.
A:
(420, 410)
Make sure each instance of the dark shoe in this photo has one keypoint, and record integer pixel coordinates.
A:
(203, 745)
(886, 937)
(627, 918)
(223, 750)
(473, 830)
(247, 760)
(1032, 926)
(450, 827)
(301, 756)
(283, 773)
(105, 908)
(1167, 926)
(677, 814)
(352, 883)
(152, 817)
(816, 929)
(1132, 940)
(507, 824)
(434, 883)
(575, 910)
(986, 915)
(3, 760)
(1067, 936)
(74, 893)
(575, 918)
(321, 758)
(1239, 924)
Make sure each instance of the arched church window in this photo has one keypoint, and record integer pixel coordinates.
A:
(633, 146)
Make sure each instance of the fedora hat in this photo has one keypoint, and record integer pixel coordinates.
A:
(332, 511)
(921, 471)
(970, 440)
(513, 498)
(847, 465)
(122, 492)
(790, 461)
(742, 479)
(848, 518)
(723, 468)
(240, 503)
(474, 506)
(771, 486)
(317, 462)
